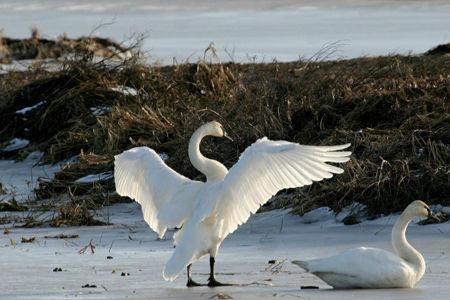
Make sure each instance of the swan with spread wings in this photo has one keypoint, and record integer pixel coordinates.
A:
(207, 212)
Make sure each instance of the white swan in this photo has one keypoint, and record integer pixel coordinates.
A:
(372, 267)
(208, 212)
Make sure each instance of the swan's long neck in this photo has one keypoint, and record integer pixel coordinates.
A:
(403, 248)
(213, 169)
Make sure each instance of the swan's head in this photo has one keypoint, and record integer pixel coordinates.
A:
(214, 128)
(419, 208)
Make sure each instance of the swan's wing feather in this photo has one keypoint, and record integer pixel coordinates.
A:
(267, 167)
(166, 197)
(355, 262)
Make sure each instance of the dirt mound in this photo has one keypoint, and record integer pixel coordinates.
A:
(394, 110)
(443, 49)
(36, 47)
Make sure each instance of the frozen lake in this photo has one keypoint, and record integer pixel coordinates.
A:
(27, 268)
(242, 31)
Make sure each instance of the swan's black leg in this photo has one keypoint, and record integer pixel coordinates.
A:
(212, 282)
(190, 282)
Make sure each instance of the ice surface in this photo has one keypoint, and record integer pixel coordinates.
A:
(16, 144)
(242, 30)
(27, 269)
(207, 6)
(94, 177)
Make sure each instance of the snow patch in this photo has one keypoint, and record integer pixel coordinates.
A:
(326, 216)
(94, 177)
(126, 90)
(164, 156)
(356, 209)
(29, 108)
(16, 144)
(318, 215)
(19, 179)
(100, 110)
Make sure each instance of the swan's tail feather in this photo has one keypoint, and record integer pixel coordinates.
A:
(180, 259)
(302, 264)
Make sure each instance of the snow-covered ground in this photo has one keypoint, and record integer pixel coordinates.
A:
(27, 268)
(242, 30)
(20, 178)
(16, 144)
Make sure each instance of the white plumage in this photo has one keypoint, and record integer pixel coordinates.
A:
(375, 268)
(209, 211)
(166, 197)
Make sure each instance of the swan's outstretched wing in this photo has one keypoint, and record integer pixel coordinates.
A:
(267, 167)
(166, 197)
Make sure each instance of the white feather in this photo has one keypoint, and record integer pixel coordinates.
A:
(210, 211)
(375, 268)
(265, 168)
(166, 197)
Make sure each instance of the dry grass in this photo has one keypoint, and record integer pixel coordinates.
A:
(394, 110)
(38, 48)
(75, 214)
(12, 205)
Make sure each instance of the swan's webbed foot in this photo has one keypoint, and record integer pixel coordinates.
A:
(212, 282)
(192, 283)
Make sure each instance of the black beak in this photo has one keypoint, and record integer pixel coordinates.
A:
(225, 135)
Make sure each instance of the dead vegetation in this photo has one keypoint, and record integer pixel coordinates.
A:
(62, 236)
(12, 205)
(90, 247)
(394, 110)
(443, 49)
(75, 214)
(25, 240)
(38, 48)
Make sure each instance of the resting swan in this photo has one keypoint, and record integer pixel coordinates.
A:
(372, 267)
(209, 211)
